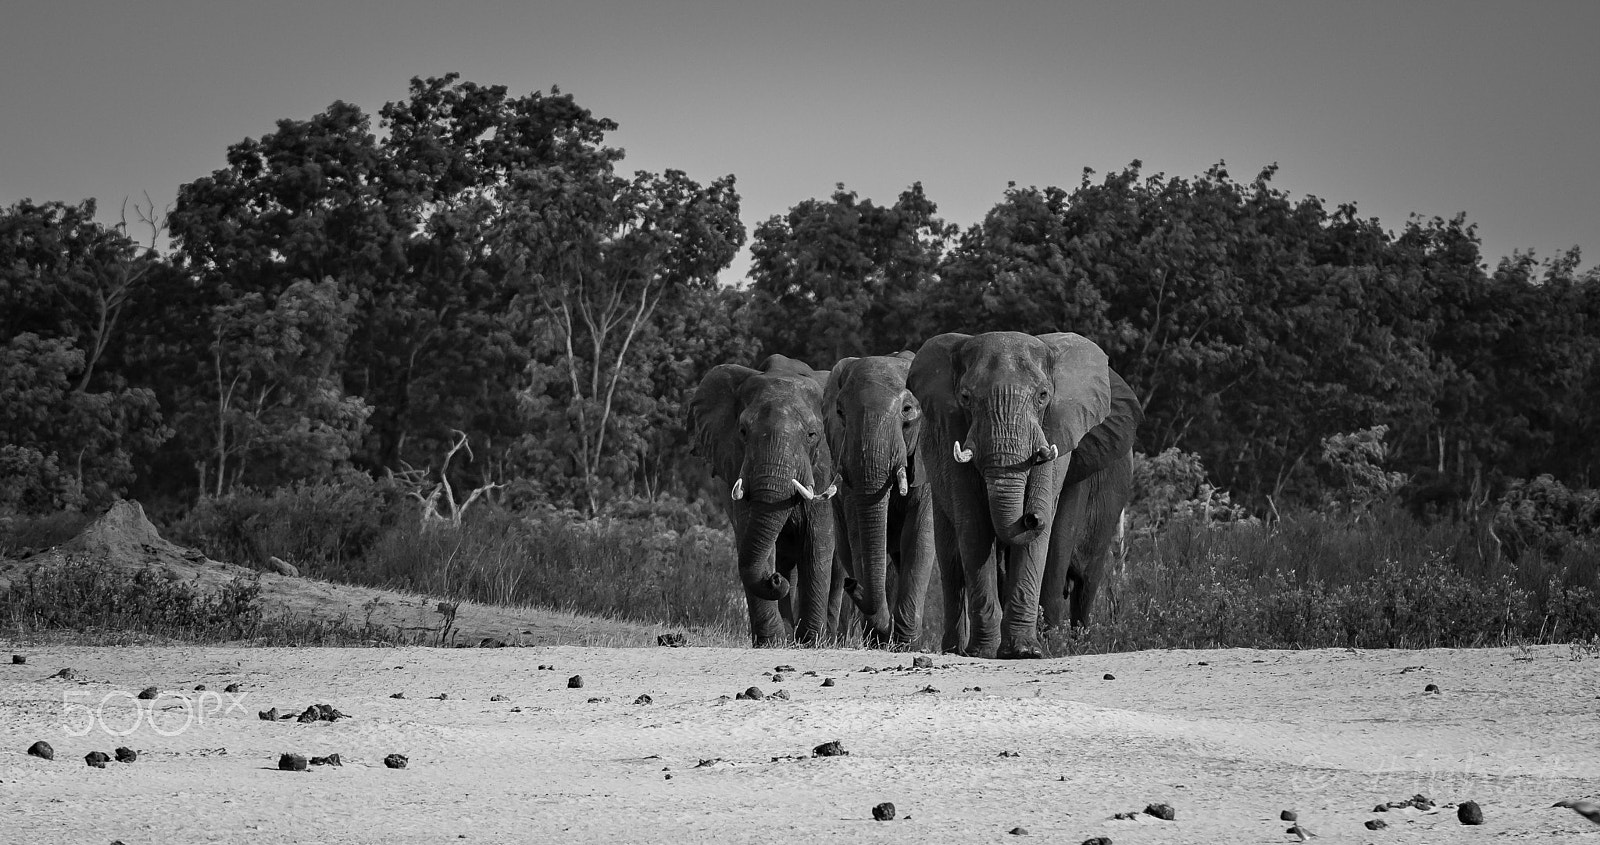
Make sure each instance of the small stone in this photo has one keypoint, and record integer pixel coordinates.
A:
(784, 668)
(644, 698)
(827, 682)
(292, 762)
(148, 693)
(598, 700)
(782, 695)
(231, 688)
(1010, 754)
(66, 675)
(1109, 677)
(126, 755)
(754, 694)
(199, 687)
(1376, 824)
(498, 697)
(321, 713)
(672, 640)
(1097, 840)
(1469, 812)
(42, 750)
(669, 776)
(883, 812)
(1018, 831)
(97, 759)
(330, 760)
(575, 682)
(18, 660)
(922, 661)
(1202, 663)
(1381, 808)
(1433, 688)
(930, 689)
(516, 709)
(777, 677)
(397, 695)
(270, 715)
(831, 748)
(395, 761)
(1288, 816)
(1161, 811)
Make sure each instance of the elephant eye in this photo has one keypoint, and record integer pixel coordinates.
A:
(1044, 396)
(841, 412)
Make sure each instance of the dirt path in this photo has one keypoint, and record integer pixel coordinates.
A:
(1228, 745)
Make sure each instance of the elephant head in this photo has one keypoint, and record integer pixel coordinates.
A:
(873, 425)
(761, 430)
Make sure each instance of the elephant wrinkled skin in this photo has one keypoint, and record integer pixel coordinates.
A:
(885, 517)
(1028, 444)
(761, 431)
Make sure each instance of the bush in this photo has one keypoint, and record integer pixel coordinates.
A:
(1545, 516)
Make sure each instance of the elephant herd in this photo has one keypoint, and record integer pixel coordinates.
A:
(1005, 457)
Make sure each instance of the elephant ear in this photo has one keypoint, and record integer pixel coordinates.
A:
(831, 423)
(714, 418)
(932, 380)
(1082, 378)
(1110, 439)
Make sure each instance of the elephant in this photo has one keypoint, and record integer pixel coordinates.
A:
(1031, 473)
(873, 425)
(761, 431)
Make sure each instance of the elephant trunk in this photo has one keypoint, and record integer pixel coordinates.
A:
(870, 591)
(1017, 468)
(756, 563)
(770, 473)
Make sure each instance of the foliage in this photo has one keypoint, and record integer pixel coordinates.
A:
(1173, 486)
(1544, 515)
(1357, 459)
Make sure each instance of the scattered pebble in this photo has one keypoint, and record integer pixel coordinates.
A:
(1297, 830)
(782, 694)
(751, 694)
(1433, 688)
(883, 812)
(1018, 831)
(148, 693)
(1109, 677)
(777, 677)
(1376, 824)
(97, 759)
(292, 762)
(1125, 817)
(516, 709)
(1161, 811)
(440, 697)
(929, 689)
(673, 640)
(1010, 754)
(126, 755)
(1097, 840)
(1418, 801)
(498, 697)
(270, 715)
(231, 688)
(922, 661)
(199, 687)
(669, 776)
(397, 695)
(784, 668)
(321, 713)
(395, 761)
(644, 698)
(575, 682)
(831, 748)
(827, 682)
(18, 660)
(599, 699)
(1288, 816)
(42, 750)
(1202, 663)
(330, 760)
(1469, 812)
(972, 689)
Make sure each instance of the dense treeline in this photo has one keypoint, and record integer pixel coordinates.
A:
(342, 300)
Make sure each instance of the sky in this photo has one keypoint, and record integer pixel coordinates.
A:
(1433, 108)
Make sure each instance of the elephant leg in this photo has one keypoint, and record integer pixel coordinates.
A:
(916, 567)
(838, 613)
(981, 564)
(814, 560)
(788, 554)
(1106, 495)
(1025, 567)
(1064, 537)
(952, 581)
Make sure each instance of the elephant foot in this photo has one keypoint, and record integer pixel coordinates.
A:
(982, 652)
(1021, 650)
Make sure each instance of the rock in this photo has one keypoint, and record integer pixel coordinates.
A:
(282, 567)
(199, 687)
(498, 698)
(97, 759)
(395, 761)
(320, 713)
(831, 748)
(827, 682)
(149, 693)
(1288, 816)
(268, 715)
(752, 694)
(42, 750)
(669, 776)
(18, 660)
(1376, 824)
(598, 700)
(1161, 811)
(644, 698)
(397, 695)
(930, 689)
(777, 677)
(330, 760)
(922, 661)
(672, 640)
(883, 812)
(1433, 688)
(1097, 840)
(231, 688)
(782, 694)
(291, 762)
(575, 682)
(785, 668)
(1469, 812)
(1109, 677)
(1010, 754)
(1297, 830)
(66, 675)
(1202, 663)
(1018, 831)
(126, 755)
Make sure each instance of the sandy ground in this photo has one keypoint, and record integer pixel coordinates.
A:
(1228, 745)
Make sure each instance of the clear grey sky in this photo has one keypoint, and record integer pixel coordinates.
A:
(1398, 107)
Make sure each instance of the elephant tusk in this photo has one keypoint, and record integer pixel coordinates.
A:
(962, 455)
(828, 493)
(1044, 456)
(738, 489)
(804, 491)
(901, 474)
